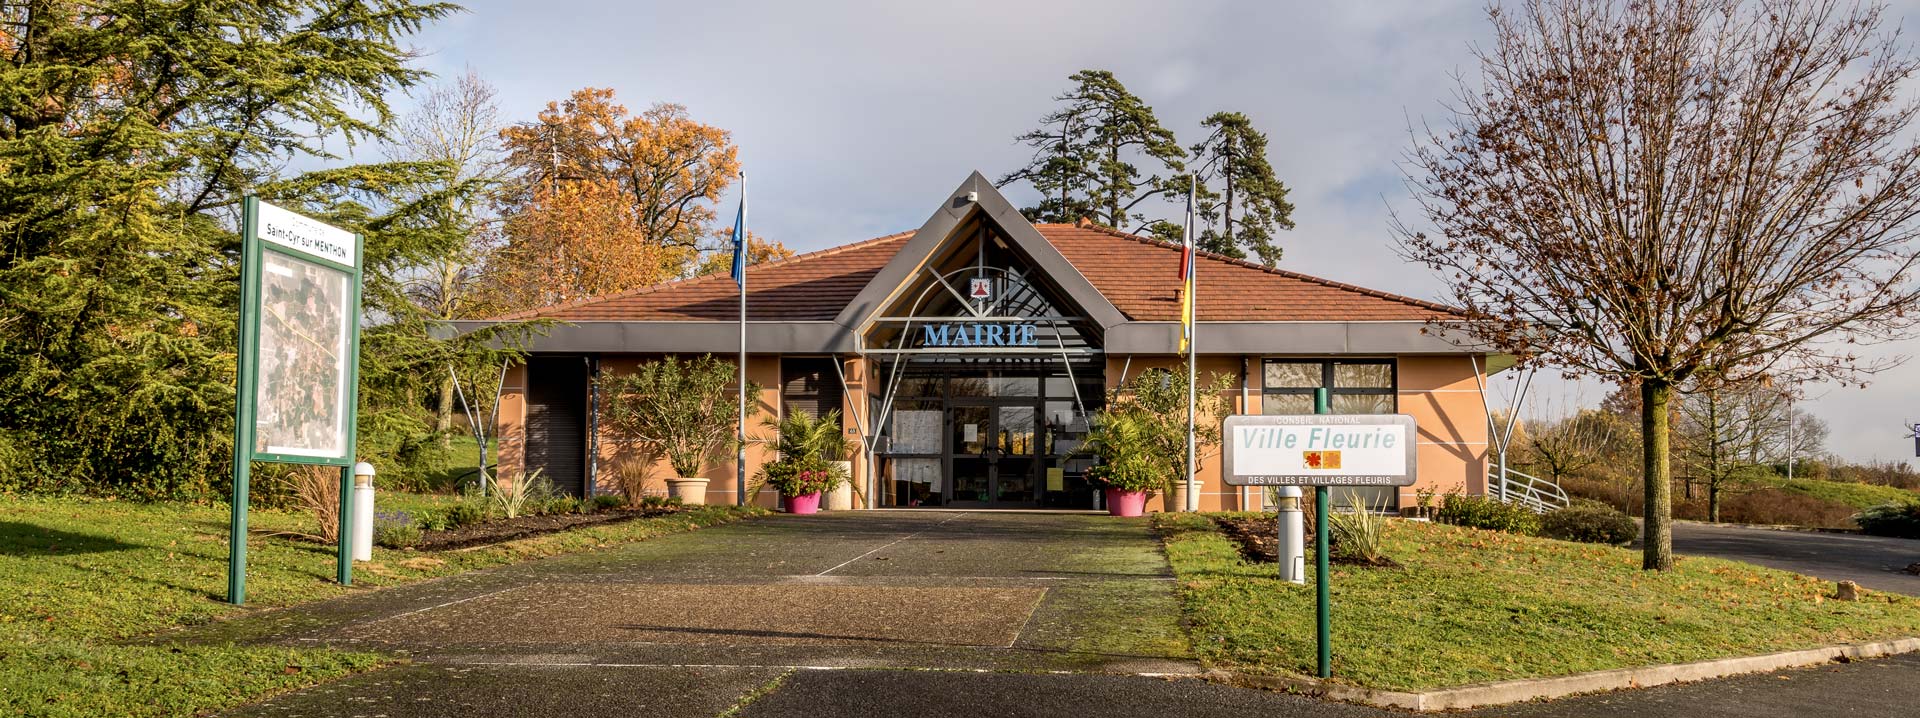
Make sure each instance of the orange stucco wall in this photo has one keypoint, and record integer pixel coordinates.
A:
(1440, 392)
(511, 422)
(1443, 397)
(615, 450)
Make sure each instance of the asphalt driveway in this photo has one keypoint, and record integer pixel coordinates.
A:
(867, 614)
(1872, 561)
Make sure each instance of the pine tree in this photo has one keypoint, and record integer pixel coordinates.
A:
(128, 135)
(1084, 154)
(1250, 203)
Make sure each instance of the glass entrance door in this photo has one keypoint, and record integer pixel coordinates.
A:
(971, 457)
(991, 459)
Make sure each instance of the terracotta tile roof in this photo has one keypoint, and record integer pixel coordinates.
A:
(806, 287)
(1141, 277)
(1137, 274)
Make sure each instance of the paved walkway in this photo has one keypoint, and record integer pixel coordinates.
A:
(1871, 561)
(874, 613)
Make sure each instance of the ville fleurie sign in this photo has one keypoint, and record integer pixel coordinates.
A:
(1319, 450)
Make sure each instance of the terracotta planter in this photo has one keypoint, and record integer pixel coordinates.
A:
(691, 492)
(841, 497)
(1126, 503)
(803, 504)
(1176, 501)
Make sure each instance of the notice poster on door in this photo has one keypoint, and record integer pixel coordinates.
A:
(917, 432)
(970, 433)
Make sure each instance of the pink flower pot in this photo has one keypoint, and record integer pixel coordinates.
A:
(804, 504)
(1126, 503)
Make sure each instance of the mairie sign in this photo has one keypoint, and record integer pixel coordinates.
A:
(978, 334)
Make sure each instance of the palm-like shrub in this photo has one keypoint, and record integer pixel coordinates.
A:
(514, 497)
(1126, 450)
(1358, 536)
(809, 446)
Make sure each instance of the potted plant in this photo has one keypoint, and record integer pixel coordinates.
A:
(683, 410)
(801, 482)
(1153, 406)
(811, 461)
(1129, 469)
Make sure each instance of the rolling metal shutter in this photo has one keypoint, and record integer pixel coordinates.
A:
(557, 421)
(809, 385)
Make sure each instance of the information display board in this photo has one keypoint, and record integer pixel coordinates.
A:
(297, 361)
(1319, 450)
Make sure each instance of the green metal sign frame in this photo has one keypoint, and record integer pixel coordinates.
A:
(246, 404)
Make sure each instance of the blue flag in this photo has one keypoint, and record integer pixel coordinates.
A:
(740, 236)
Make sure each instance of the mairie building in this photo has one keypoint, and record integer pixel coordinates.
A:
(966, 358)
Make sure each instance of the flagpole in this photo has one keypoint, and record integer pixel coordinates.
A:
(740, 431)
(1193, 336)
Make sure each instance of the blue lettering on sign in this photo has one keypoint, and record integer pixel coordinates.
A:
(976, 334)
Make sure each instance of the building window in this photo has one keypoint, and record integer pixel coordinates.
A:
(1354, 386)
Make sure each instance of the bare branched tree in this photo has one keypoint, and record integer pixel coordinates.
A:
(1571, 446)
(1676, 193)
(457, 126)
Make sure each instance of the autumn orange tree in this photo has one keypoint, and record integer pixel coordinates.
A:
(719, 260)
(576, 243)
(607, 200)
(1679, 195)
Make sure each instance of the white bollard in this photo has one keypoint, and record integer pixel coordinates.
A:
(1292, 549)
(363, 511)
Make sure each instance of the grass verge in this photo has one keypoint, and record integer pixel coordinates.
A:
(1858, 496)
(85, 575)
(1470, 606)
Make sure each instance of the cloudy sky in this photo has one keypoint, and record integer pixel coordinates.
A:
(854, 118)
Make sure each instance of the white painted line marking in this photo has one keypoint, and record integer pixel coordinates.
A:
(843, 564)
(1029, 619)
(449, 603)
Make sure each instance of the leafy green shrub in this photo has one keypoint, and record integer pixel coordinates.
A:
(659, 502)
(1481, 512)
(429, 520)
(1588, 522)
(558, 505)
(609, 502)
(395, 530)
(1901, 520)
(467, 513)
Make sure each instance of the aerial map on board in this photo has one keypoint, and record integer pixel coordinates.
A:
(303, 349)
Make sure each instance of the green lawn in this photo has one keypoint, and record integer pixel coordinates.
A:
(1859, 496)
(1471, 606)
(83, 576)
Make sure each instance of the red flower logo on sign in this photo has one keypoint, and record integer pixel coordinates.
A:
(1321, 459)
